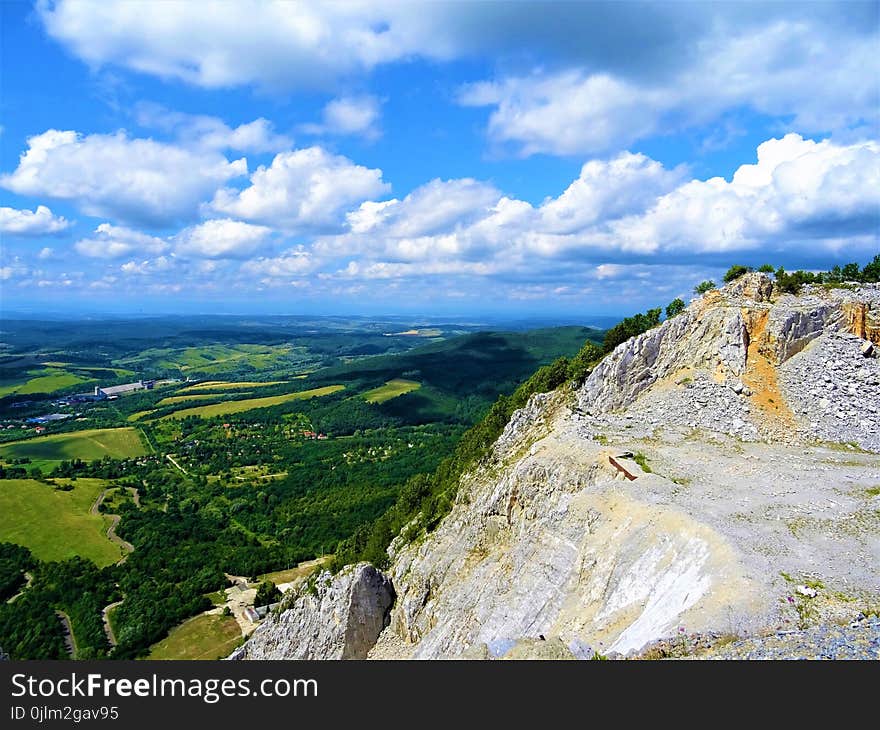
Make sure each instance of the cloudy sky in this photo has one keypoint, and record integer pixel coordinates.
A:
(441, 158)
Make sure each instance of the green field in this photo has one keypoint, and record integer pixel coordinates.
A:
(174, 399)
(203, 637)
(55, 525)
(391, 389)
(119, 443)
(138, 415)
(223, 385)
(209, 358)
(240, 406)
(117, 372)
(47, 380)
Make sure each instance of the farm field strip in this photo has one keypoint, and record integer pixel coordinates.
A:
(240, 406)
(391, 389)
(211, 385)
(174, 399)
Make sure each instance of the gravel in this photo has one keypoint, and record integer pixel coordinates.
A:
(835, 390)
(858, 640)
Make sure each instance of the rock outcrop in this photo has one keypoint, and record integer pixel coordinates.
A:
(699, 469)
(337, 618)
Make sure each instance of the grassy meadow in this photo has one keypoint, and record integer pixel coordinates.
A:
(206, 637)
(118, 443)
(391, 389)
(47, 380)
(55, 524)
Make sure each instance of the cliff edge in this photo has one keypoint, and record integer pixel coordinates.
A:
(716, 476)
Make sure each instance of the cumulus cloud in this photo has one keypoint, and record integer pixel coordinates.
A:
(303, 190)
(217, 44)
(114, 176)
(15, 269)
(198, 130)
(628, 70)
(440, 219)
(797, 197)
(799, 193)
(625, 184)
(222, 238)
(111, 242)
(147, 267)
(624, 223)
(354, 115)
(275, 44)
(39, 222)
(787, 69)
(291, 264)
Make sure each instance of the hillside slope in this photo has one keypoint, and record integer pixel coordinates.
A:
(715, 476)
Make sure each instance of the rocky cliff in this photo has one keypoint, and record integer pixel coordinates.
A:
(715, 476)
(331, 618)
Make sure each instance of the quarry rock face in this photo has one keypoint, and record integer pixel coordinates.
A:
(340, 618)
(702, 471)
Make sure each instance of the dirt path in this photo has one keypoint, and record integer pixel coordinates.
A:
(114, 521)
(172, 460)
(105, 618)
(28, 580)
(69, 641)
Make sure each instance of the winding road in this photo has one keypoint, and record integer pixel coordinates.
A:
(69, 641)
(114, 520)
(105, 618)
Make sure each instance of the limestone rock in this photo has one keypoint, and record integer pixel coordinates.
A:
(654, 501)
(756, 286)
(342, 620)
(553, 553)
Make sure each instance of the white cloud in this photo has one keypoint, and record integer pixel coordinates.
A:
(798, 197)
(274, 44)
(113, 175)
(14, 269)
(147, 267)
(604, 190)
(218, 44)
(800, 193)
(110, 242)
(436, 206)
(609, 271)
(356, 115)
(786, 69)
(197, 130)
(304, 190)
(39, 222)
(222, 238)
(566, 113)
(46, 253)
(629, 70)
(293, 263)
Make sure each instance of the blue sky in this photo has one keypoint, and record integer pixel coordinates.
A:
(445, 158)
